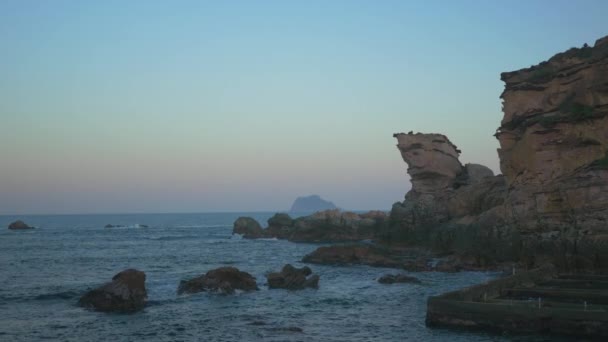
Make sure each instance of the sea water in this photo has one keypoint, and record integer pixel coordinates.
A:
(44, 271)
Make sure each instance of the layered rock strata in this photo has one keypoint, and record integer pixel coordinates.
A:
(551, 203)
(554, 155)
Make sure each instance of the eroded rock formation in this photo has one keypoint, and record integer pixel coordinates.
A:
(552, 202)
(554, 155)
(125, 293)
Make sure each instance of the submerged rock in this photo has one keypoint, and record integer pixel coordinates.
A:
(397, 278)
(293, 278)
(352, 255)
(17, 225)
(125, 293)
(224, 280)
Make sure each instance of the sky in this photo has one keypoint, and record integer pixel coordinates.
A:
(202, 106)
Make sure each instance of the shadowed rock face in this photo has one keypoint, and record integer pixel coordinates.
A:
(125, 293)
(224, 280)
(324, 226)
(292, 278)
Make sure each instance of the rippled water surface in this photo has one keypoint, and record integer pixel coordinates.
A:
(44, 271)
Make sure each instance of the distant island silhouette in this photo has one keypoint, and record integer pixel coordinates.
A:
(311, 203)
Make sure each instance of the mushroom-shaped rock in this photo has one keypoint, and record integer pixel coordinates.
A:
(17, 225)
(293, 278)
(397, 278)
(125, 293)
(224, 280)
(247, 227)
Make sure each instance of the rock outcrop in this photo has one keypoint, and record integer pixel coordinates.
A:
(225, 280)
(126, 293)
(343, 255)
(312, 203)
(447, 199)
(292, 278)
(551, 203)
(554, 155)
(19, 225)
(397, 278)
(324, 226)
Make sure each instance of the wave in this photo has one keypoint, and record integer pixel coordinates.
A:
(171, 237)
(58, 295)
(204, 226)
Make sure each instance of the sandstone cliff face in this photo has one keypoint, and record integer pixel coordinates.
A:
(443, 190)
(552, 202)
(554, 153)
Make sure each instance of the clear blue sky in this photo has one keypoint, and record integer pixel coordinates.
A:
(170, 106)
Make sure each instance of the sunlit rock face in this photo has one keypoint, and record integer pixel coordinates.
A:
(551, 203)
(553, 152)
(432, 161)
(442, 188)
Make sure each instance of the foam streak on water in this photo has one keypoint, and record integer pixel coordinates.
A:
(45, 270)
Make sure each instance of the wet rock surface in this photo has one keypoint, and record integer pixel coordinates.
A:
(224, 280)
(126, 293)
(352, 255)
(292, 278)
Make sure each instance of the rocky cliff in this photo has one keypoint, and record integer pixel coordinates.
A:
(551, 203)
(554, 154)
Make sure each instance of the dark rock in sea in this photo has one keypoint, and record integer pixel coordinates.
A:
(125, 293)
(293, 278)
(224, 280)
(324, 226)
(352, 255)
(311, 203)
(17, 225)
(398, 278)
(248, 228)
(143, 226)
(114, 226)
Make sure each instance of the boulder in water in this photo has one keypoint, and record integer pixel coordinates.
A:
(293, 278)
(125, 293)
(18, 225)
(224, 280)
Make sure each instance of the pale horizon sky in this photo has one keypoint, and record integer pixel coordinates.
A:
(201, 106)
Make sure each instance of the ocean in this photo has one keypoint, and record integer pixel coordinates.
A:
(44, 271)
